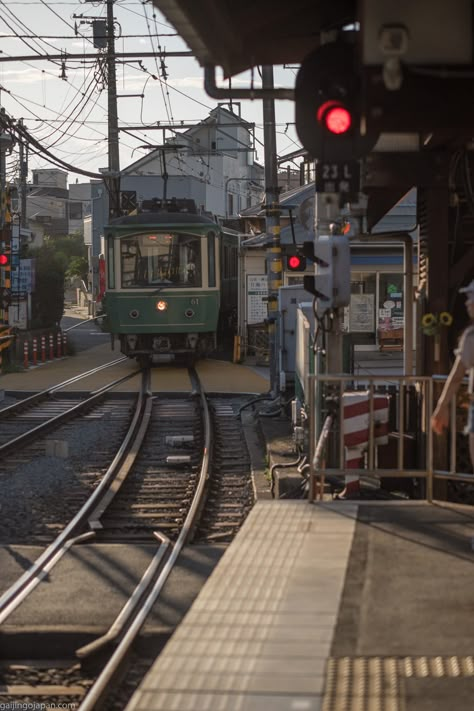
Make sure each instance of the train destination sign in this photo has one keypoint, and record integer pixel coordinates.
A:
(338, 177)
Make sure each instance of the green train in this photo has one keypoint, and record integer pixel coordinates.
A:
(171, 282)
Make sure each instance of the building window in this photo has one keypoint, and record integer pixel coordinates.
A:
(231, 204)
(390, 306)
(75, 210)
(110, 262)
(211, 258)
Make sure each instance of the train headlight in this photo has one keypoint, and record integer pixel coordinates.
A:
(134, 313)
(161, 305)
(189, 313)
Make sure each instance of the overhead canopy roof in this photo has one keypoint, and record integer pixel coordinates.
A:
(239, 34)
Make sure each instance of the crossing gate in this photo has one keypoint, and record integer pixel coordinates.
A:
(356, 426)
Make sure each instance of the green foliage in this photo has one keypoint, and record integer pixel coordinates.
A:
(57, 258)
(78, 267)
(48, 297)
(70, 245)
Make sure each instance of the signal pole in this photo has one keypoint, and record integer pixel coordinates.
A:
(272, 222)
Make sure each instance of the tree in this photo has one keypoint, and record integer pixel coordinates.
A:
(78, 267)
(48, 296)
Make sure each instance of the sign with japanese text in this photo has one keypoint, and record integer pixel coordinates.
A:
(23, 277)
(257, 295)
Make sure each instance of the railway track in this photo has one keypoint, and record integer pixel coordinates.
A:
(181, 464)
(30, 418)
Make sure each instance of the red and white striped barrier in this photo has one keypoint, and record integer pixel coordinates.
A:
(35, 350)
(51, 347)
(26, 357)
(356, 426)
(43, 349)
(64, 343)
(59, 342)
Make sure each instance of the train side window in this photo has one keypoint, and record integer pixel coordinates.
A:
(211, 258)
(110, 263)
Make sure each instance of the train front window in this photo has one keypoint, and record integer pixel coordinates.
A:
(161, 259)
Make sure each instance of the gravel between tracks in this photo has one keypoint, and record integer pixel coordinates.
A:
(46, 489)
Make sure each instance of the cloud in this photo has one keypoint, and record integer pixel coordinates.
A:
(23, 76)
(196, 82)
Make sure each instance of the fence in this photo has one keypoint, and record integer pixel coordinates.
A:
(410, 406)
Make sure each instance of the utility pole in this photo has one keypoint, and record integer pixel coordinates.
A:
(272, 222)
(113, 132)
(23, 158)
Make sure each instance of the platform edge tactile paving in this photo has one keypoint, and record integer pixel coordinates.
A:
(275, 587)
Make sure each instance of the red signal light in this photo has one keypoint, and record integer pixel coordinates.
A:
(296, 263)
(335, 117)
(3, 260)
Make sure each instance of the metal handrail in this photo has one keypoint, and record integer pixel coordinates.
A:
(425, 385)
(317, 463)
(452, 474)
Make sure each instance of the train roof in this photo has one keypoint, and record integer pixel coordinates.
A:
(162, 218)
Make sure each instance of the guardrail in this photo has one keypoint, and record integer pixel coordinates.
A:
(332, 388)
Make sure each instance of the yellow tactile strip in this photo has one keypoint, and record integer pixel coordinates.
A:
(373, 683)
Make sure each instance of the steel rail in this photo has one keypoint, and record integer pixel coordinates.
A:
(17, 592)
(130, 608)
(26, 437)
(38, 397)
(128, 462)
(101, 686)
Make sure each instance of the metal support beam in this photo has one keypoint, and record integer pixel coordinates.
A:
(272, 212)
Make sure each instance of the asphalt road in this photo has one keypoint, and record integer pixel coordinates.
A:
(85, 336)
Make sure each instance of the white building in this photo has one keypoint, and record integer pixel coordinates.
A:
(211, 163)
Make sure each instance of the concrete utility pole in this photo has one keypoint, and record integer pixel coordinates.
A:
(23, 177)
(113, 132)
(272, 212)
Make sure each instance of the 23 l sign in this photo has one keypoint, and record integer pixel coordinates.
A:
(338, 177)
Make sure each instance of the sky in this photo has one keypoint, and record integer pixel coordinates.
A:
(69, 115)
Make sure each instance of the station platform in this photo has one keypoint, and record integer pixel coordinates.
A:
(337, 606)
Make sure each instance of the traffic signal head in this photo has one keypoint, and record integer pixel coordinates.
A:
(331, 282)
(329, 105)
(296, 263)
(4, 258)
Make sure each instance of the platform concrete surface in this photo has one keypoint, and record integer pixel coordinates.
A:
(92, 582)
(333, 606)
